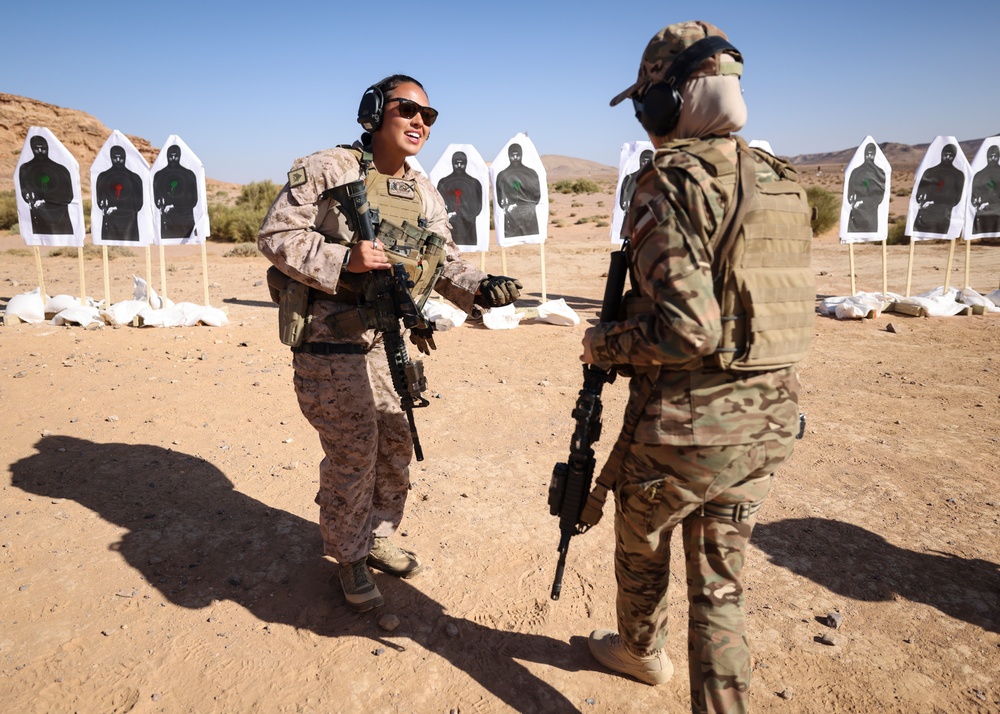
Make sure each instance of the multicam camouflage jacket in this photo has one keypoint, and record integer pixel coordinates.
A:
(676, 211)
(293, 235)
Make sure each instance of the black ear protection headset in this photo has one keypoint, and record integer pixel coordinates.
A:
(660, 107)
(372, 108)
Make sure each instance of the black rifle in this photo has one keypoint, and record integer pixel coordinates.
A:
(387, 297)
(385, 300)
(571, 480)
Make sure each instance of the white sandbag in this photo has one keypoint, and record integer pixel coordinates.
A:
(994, 297)
(142, 291)
(557, 312)
(857, 306)
(502, 318)
(184, 314)
(122, 313)
(442, 316)
(936, 302)
(82, 315)
(26, 307)
(58, 303)
(968, 296)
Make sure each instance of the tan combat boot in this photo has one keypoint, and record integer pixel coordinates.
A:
(359, 586)
(390, 558)
(608, 649)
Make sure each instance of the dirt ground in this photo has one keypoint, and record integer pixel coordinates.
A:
(160, 551)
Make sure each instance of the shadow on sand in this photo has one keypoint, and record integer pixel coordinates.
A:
(862, 565)
(196, 540)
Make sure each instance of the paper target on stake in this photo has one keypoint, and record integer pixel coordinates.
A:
(632, 158)
(463, 180)
(47, 188)
(982, 212)
(940, 191)
(864, 212)
(121, 206)
(520, 194)
(179, 196)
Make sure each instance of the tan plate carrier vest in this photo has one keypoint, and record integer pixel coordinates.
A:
(402, 231)
(764, 281)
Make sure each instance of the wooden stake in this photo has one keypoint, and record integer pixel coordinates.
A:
(163, 274)
(204, 269)
(951, 258)
(38, 267)
(83, 276)
(503, 260)
(909, 267)
(541, 252)
(482, 261)
(885, 278)
(149, 276)
(107, 280)
(968, 259)
(850, 247)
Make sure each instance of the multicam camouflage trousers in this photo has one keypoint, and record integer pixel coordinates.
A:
(364, 475)
(714, 493)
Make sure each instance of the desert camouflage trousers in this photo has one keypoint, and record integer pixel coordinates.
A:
(662, 486)
(364, 476)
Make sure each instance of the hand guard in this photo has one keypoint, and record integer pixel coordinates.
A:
(423, 338)
(498, 290)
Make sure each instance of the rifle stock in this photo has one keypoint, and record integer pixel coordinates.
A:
(571, 480)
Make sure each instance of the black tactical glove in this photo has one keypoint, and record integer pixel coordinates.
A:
(423, 338)
(498, 290)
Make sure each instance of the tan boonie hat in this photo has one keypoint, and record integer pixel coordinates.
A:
(670, 42)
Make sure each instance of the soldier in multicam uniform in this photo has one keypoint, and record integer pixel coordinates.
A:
(701, 442)
(342, 378)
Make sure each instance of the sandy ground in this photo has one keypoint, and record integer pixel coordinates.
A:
(159, 551)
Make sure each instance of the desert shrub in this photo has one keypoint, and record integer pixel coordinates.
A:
(601, 223)
(238, 224)
(826, 209)
(897, 234)
(22, 252)
(8, 210)
(582, 220)
(242, 250)
(576, 204)
(258, 195)
(577, 186)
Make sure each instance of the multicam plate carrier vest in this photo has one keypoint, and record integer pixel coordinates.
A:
(763, 278)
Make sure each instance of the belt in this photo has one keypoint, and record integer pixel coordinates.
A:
(738, 513)
(330, 348)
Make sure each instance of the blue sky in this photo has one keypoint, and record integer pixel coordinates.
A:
(249, 87)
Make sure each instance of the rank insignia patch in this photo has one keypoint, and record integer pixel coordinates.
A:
(296, 177)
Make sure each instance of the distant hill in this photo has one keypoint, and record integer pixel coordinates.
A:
(558, 168)
(900, 156)
(80, 133)
(84, 136)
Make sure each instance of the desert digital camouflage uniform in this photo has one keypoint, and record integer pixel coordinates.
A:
(349, 398)
(706, 441)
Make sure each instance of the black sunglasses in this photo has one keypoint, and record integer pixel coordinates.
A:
(409, 108)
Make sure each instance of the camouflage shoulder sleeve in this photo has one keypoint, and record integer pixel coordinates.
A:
(293, 234)
(674, 213)
(459, 280)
